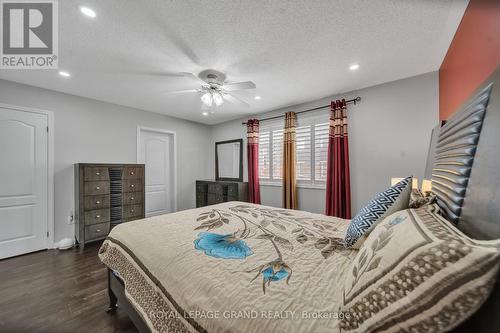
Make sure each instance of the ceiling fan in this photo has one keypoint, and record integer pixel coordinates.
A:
(214, 90)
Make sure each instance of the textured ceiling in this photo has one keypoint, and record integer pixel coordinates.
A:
(294, 51)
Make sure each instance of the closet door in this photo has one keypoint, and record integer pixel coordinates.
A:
(23, 182)
(156, 152)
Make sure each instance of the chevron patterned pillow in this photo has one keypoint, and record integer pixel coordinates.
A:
(396, 197)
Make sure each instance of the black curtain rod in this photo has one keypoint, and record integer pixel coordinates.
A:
(351, 101)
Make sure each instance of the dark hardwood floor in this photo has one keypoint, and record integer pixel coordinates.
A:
(57, 291)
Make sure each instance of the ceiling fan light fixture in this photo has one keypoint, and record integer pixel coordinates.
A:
(215, 90)
(206, 98)
(218, 100)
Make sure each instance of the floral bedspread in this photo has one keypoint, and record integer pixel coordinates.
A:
(233, 267)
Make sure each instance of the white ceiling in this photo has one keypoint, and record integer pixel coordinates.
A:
(294, 51)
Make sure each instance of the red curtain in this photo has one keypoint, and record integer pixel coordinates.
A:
(253, 161)
(338, 185)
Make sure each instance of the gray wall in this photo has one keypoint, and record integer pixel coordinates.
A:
(389, 133)
(389, 136)
(91, 131)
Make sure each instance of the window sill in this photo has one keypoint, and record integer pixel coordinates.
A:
(270, 184)
(308, 186)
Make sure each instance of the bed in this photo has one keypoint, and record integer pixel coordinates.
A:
(217, 275)
(240, 267)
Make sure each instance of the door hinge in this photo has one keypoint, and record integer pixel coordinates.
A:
(47, 129)
(47, 234)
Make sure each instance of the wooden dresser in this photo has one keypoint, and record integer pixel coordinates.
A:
(210, 192)
(105, 196)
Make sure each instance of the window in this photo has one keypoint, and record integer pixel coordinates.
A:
(277, 154)
(320, 151)
(312, 153)
(264, 158)
(270, 154)
(304, 149)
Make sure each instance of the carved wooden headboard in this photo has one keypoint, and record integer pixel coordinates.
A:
(464, 164)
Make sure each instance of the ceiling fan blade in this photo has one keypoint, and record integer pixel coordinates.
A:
(153, 73)
(183, 91)
(239, 86)
(192, 76)
(235, 100)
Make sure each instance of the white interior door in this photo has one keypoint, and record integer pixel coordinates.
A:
(23, 182)
(156, 152)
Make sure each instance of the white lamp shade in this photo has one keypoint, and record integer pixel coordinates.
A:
(414, 184)
(394, 181)
(207, 99)
(217, 99)
(426, 185)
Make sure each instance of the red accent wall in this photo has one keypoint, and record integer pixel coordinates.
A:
(473, 55)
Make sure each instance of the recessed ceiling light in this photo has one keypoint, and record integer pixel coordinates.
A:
(258, 97)
(65, 74)
(353, 67)
(205, 113)
(87, 11)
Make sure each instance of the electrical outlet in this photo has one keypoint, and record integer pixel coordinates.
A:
(71, 218)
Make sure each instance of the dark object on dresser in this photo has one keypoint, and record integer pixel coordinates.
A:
(209, 192)
(106, 195)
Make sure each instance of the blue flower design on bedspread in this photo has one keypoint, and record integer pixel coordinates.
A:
(222, 246)
(270, 274)
(271, 233)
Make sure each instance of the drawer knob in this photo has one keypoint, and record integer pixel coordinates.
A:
(131, 198)
(132, 186)
(98, 216)
(98, 202)
(98, 188)
(132, 210)
(97, 173)
(98, 230)
(132, 173)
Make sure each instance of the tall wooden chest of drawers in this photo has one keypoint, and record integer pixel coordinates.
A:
(213, 192)
(105, 196)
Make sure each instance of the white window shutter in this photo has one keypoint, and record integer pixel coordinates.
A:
(304, 153)
(264, 155)
(277, 152)
(311, 153)
(320, 151)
